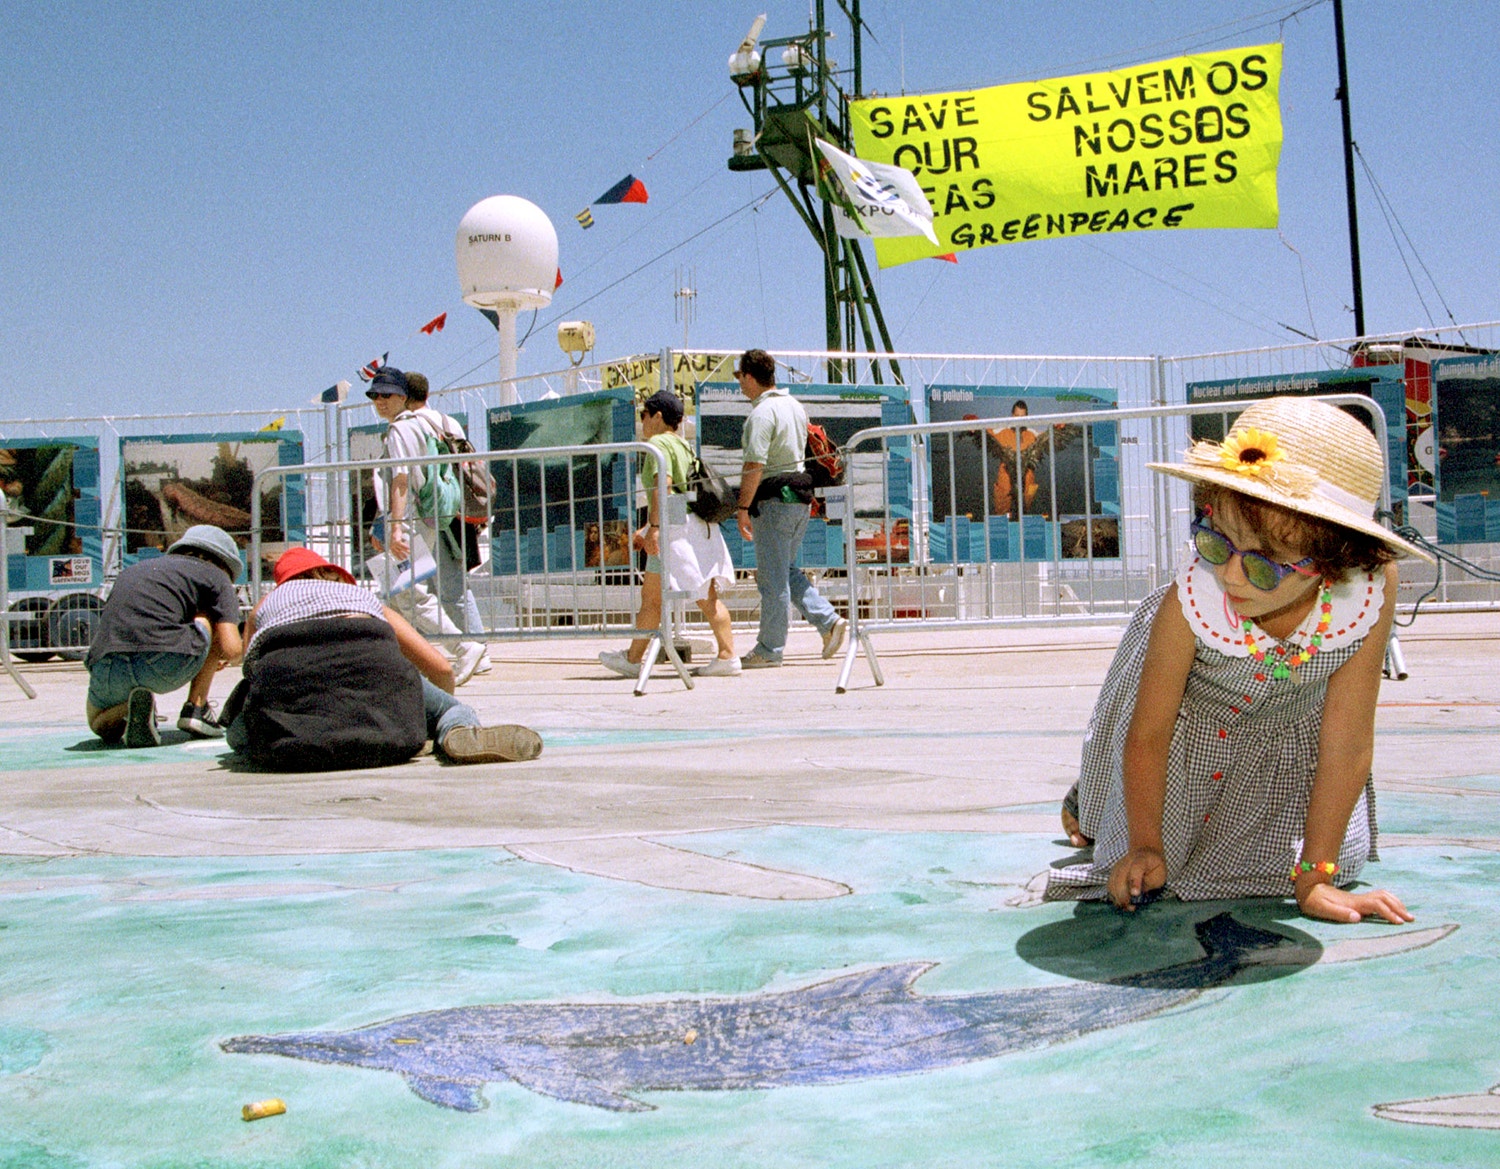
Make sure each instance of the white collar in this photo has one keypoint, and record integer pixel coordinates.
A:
(1357, 602)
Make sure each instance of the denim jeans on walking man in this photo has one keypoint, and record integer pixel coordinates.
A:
(778, 537)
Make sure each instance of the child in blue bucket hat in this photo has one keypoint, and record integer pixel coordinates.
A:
(170, 621)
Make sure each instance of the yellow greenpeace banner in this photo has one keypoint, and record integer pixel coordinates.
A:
(1190, 142)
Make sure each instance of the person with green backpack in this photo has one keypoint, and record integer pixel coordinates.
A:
(423, 499)
(701, 566)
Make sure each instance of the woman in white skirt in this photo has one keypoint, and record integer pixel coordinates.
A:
(701, 567)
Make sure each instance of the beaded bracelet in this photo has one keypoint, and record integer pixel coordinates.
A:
(1308, 867)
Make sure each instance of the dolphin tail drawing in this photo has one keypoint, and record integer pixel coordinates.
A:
(1228, 944)
(1476, 1110)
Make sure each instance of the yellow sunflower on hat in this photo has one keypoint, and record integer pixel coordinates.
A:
(1251, 451)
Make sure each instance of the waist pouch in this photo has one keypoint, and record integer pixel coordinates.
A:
(799, 484)
(332, 693)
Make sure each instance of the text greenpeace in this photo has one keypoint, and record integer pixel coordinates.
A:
(1190, 142)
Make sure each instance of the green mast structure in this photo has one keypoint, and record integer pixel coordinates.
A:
(793, 93)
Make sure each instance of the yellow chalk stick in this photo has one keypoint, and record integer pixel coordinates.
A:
(262, 1109)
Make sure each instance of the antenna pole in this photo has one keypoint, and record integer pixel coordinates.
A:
(1343, 98)
(790, 105)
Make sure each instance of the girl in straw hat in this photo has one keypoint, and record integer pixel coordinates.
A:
(1229, 751)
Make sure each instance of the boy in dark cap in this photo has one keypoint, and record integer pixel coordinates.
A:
(169, 621)
(700, 565)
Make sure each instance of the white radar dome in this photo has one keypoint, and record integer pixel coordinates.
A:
(506, 250)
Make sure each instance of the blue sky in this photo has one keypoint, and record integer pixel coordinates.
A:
(216, 205)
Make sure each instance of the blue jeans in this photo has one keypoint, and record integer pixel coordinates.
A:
(443, 711)
(778, 538)
(114, 676)
(452, 581)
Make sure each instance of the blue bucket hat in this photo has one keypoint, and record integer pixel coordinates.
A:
(216, 542)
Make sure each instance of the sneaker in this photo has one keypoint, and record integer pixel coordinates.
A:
(200, 721)
(140, 720)
(505, 744)
(615, 659)
(755, 660)
(833, 640)
(466, 662)
(719, 668)
(485, 665)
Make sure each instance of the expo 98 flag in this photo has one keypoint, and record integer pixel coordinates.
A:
(1186, 143)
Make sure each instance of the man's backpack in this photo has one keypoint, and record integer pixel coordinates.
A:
(473, 478)
(440, 497)
(824, 463)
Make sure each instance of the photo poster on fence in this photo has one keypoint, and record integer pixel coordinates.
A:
(1466, 409)
(882, 522)
(574, 512)
(1010, 492)
(363, 443)
(170, 482)
(1383, 383)
(50, 489)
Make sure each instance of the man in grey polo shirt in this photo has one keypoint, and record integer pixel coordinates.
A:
(774, 495)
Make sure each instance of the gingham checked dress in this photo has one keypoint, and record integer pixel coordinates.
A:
(1241, 763)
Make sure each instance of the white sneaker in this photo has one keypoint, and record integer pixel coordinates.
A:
(833, 640)
(719, 668)
(485, 665)
(467, 662)
(615, 659)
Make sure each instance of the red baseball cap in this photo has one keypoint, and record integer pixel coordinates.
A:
(296, 561)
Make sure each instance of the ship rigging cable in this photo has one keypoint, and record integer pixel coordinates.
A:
(1392, 223)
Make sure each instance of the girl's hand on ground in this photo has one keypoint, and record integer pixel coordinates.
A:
(1330, 903)
(1135, 874)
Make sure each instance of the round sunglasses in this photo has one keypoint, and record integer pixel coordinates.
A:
(1261, 571)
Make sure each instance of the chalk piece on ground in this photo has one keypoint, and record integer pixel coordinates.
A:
(262, 1109)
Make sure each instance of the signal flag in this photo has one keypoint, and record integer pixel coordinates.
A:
(435, 325)
(628, 190)
(585, 219)
(367, 374)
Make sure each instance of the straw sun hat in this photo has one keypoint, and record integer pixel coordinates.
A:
(1303, 455)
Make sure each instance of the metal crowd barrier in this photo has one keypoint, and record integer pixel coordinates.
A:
(1023, 567)
(892, 565)
(560, 567)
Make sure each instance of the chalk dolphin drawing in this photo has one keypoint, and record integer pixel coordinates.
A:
(1476, 1110)
(853, 1027)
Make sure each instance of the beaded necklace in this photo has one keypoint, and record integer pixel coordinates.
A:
(1283, 669)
